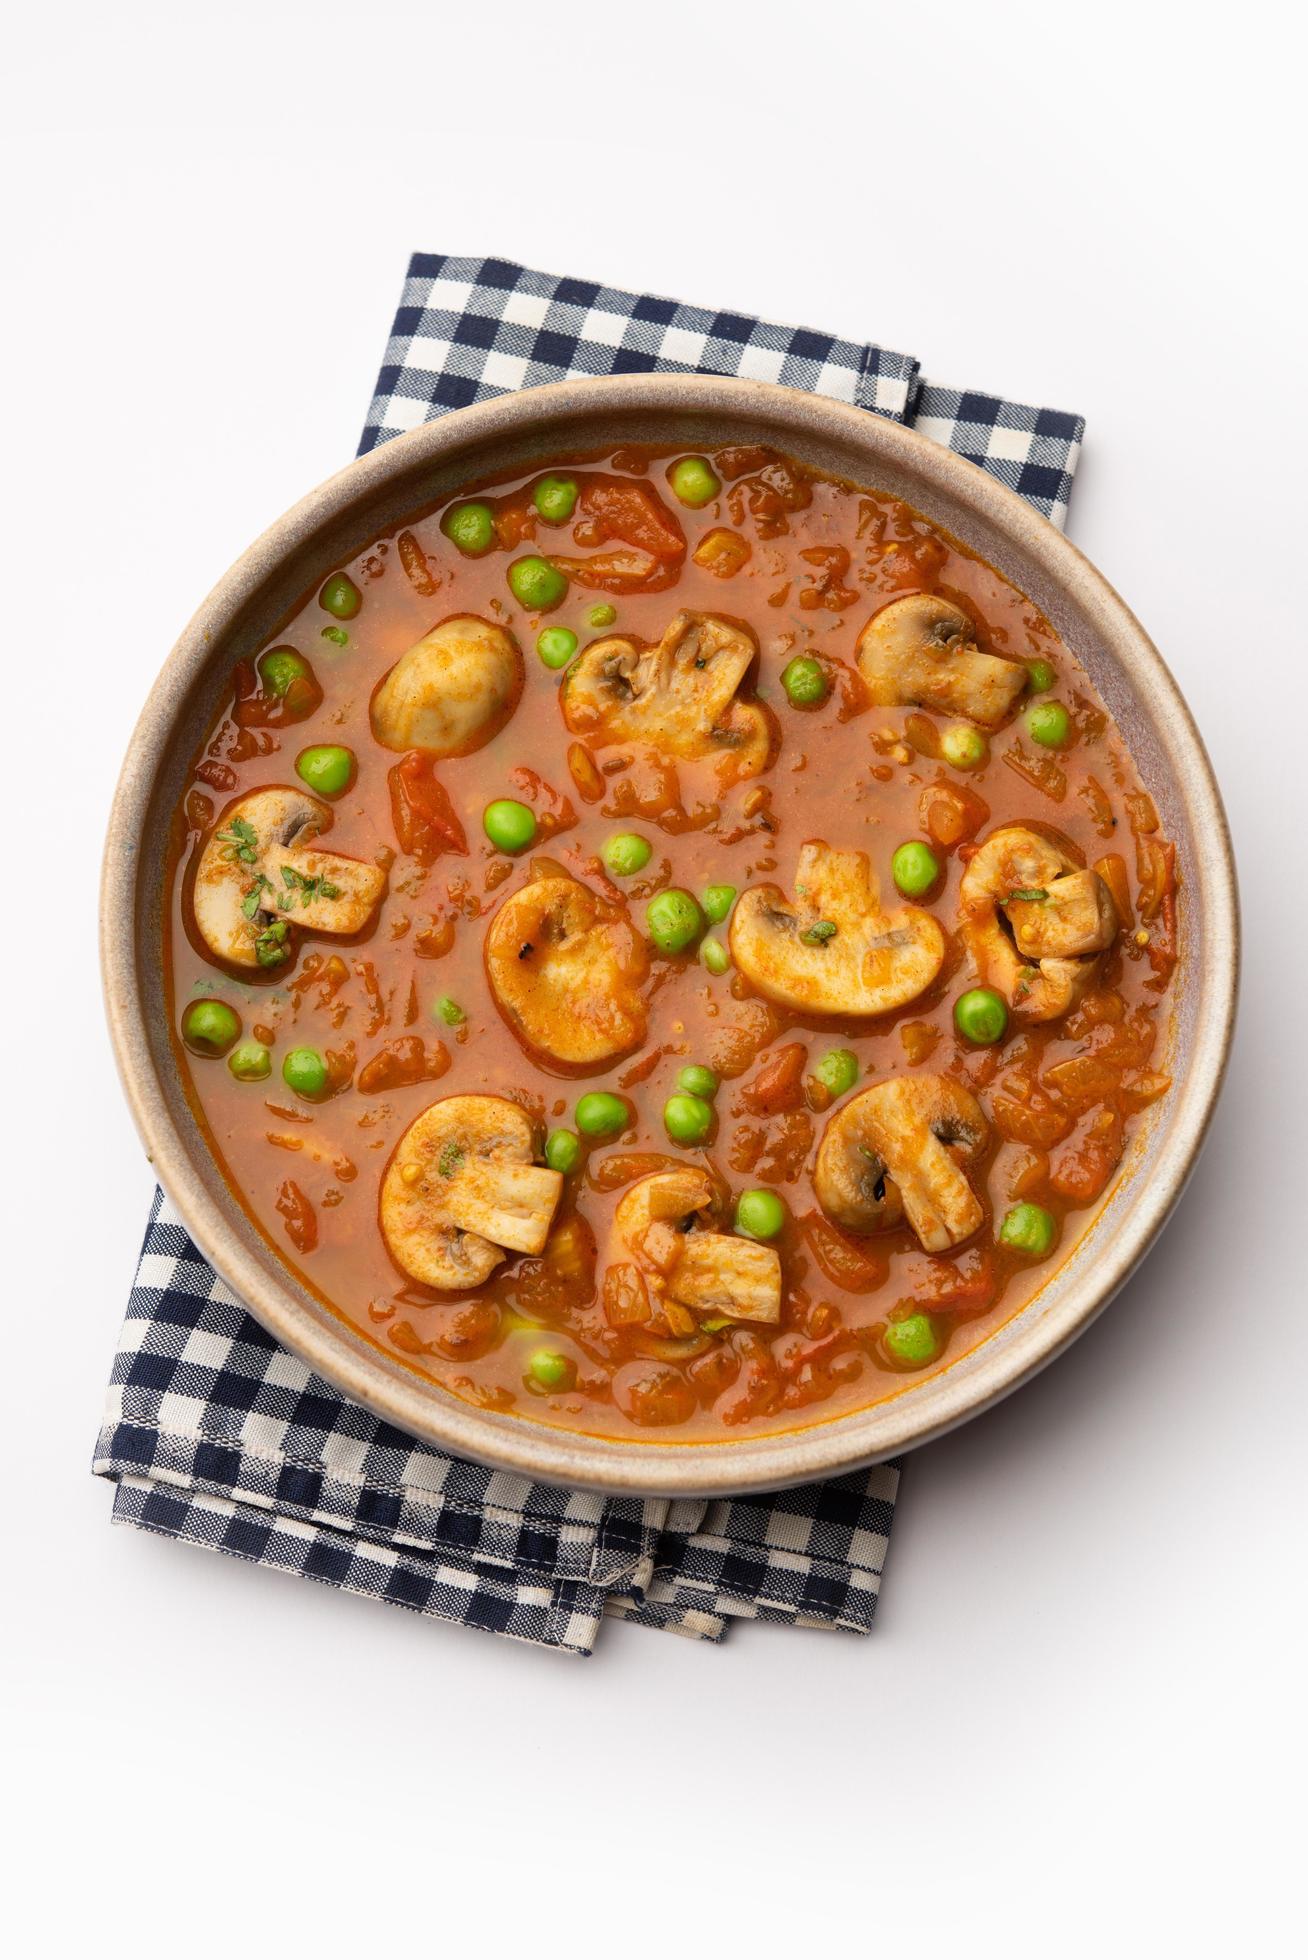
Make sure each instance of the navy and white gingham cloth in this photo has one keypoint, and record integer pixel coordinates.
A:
(215, 1435)
(468, 329)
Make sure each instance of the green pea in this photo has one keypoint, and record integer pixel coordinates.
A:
(964, 747)
(1041, 676)
(250, 1062)
(327, 770)
(1048, 723)
(536, 584)
(715, 955)
(550, 1371)
(337, 635)
(602, 615)
(1028, 1228)
(687, 1119)
(449, 1012)
(914, 868)
(601, 1115)
(837, 1071)
(717, 901)
(279, 669)
(209, 1027)
(556, 645)
(305, 1071)
(471, 527)
(805, 682)
(563, 1150)
(510, 826)
(981, 1016)
(340, 596)
(697, 1080)
(693, 482)
(673, 920)
(759, 1214)
(555, 497)
(912, 1342)
(626, 854)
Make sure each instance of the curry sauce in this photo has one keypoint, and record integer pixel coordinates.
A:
(858, 966)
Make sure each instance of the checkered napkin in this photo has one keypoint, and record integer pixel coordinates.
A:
(216, 1435)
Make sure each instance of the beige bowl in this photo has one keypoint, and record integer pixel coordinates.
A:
(518, 433)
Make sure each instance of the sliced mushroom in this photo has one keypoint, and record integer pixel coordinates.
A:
(566, 969)
(451, 691)
(834, 950)
(679, 697)
(1036, 924)
(896, 1151)
(664, 1221)
(260, 876)
(462, 1188)
(921, 651)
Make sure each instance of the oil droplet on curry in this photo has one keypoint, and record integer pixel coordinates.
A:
(671, 947)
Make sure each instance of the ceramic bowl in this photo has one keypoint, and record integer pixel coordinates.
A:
(517, 433)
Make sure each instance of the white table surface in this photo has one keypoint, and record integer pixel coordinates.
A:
(1078, 1722)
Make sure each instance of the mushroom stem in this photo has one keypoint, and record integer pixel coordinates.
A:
(510, 1204)
(720, 1274)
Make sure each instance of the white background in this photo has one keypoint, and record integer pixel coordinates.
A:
(1078, 1724)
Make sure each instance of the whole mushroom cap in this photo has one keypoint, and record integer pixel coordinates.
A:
(452, 691)
(566, 968)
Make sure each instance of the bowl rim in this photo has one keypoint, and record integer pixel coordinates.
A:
(829, 1446)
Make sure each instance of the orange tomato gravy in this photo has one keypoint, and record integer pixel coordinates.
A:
(812, 560)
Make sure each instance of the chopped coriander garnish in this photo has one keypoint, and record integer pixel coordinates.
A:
(308, 889)
(270, 948)
(337, 635)
(451, 1157)
(243, 838)
(1030, 895)
(253, 900)
(819, 932)
(450, 1012)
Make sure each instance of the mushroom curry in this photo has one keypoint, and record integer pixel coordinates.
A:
(670, 946)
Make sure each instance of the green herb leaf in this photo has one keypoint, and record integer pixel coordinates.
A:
(819, 932)
(308, 888)
(450, 1158)
(243, 838)
(253, 900)
(270, 948)
(1030, 895)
